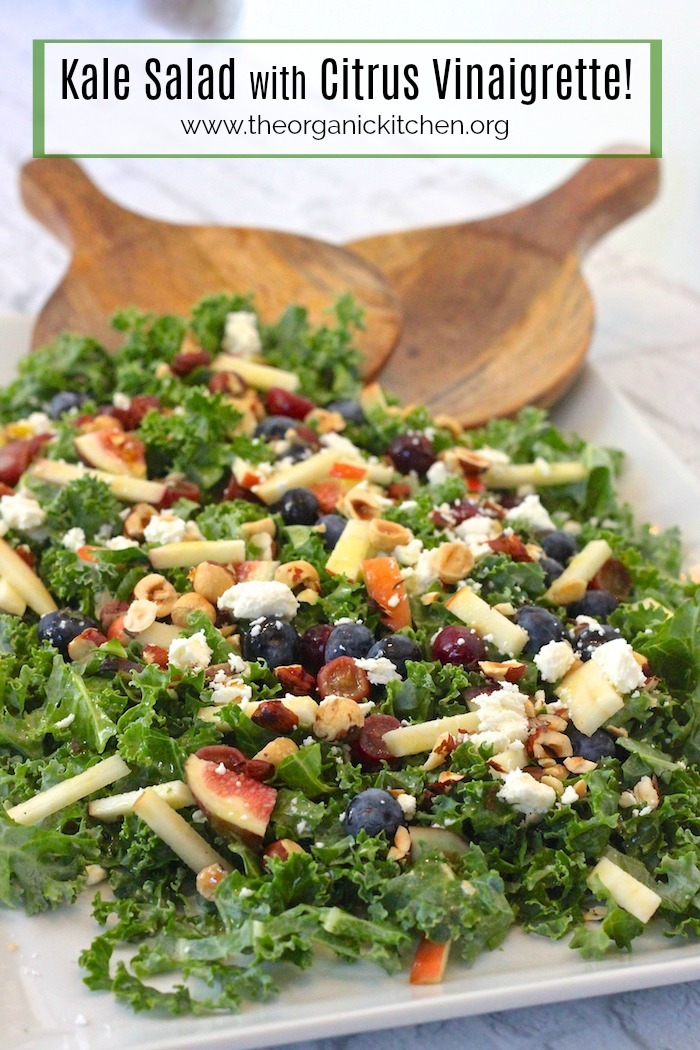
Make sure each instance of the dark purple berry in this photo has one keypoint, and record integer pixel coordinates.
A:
(459, 645)
(411, 451)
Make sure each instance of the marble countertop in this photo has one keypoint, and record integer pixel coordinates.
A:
(647, 344)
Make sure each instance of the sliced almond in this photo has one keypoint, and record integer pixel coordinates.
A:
(577, 765)
(402, 844)
(503, 671)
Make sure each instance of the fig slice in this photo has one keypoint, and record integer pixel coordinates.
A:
(113, 451)
(231, 800)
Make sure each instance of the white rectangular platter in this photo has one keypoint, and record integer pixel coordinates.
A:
(45, 1006)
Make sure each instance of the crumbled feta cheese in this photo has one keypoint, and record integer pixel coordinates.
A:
(73, 539)
(426, 568)
(21, 512)
(568, 795)
(246, 474)
(191, 653)
(65, 722)
(493, 455)
(379, 669)
(477, 531)
(342, 445)
(554, 659)
(616, 661)
(437, 473)
(531, 514)
(34, 425)
(237, 664)
(122, 401)
(255, 598)
(408, 805)
(165, 527)
(502, 718)
(524, 793)
(120, 543)
(241, 335)
(232, 691)
(408, 504)
(408, 553)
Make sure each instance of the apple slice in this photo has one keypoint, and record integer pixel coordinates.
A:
(300, 475)
(425, 839)
(49, 801)
(372, 399)
(627, 892)
(573, 582)
(24, 581)
(232, 801)
(11, 601)
(589, 696)
(513, 475)
(113, 451)
(175, 792)
(161, 634)
(259, 376)
(412, 740)
(125, 487)
(493, 626)
(255, 570)
(351, 550)
(189, 553)
(174, 830)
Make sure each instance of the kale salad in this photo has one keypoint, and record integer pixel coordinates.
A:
(290, 670)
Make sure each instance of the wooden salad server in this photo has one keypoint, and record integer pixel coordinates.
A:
(122, 259)
(497, 314)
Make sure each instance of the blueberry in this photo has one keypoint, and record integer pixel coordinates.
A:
(333, 526)
(598, 604)
(298, 507)
(591, 637)
(348, 639)
(542, 627)
(374, 811)
(272, 428)
(559, 545)
(272, 640)
(551, 569)
(397, 648)
(349, 410)
(59, 628)
(594, 747)
(64, 402)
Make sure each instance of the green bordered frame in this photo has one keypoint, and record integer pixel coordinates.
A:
(655, 101)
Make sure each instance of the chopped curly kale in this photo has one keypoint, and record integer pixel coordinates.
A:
(71, 362)
(86, 501)
(324, 358)
(194, 440)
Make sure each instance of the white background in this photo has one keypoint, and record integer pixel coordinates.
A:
(137, 124)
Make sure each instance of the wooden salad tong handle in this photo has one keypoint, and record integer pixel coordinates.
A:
(120, 258)
(497, 314)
